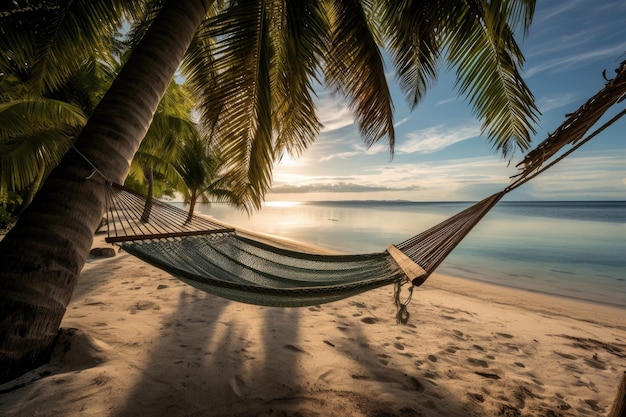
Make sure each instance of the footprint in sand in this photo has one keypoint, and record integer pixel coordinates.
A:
(594, 405)
(478, 362)
(476, 397)
(596, 364)
(142, 306)
(566, 355)
(294, 348)
(505, 335)
(460, 336)
(369, 320)
(416, 384)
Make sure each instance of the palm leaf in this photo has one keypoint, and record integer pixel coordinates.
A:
(242, 97)
(355, 68)
(299, 32)
(411, 29)
(44, 45)
(481, 44)
(32, 130)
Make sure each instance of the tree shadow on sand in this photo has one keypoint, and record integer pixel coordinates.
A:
(253, 361)
(221, 365)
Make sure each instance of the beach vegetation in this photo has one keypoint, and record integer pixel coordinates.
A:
(254, 68)
(201, 169)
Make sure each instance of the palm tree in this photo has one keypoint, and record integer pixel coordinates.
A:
(253, 65)
(171, 126)
(198, 165)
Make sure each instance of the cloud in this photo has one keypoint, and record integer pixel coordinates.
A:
(401, 122)
(562, 64)
(460, 179)
(340, 155)
(357, 150)
(595, 175)
(446, 101)
(546, 104)
(549, 14)
(339, 187)
(333, 112)
(436, 138)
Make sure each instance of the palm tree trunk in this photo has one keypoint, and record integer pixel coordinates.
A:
(192, 205)
(147, 208)
(41, 257)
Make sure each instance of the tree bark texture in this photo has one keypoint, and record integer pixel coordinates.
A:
(42, 256)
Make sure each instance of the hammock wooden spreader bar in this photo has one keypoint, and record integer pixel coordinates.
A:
(218, 260)
(132, 216)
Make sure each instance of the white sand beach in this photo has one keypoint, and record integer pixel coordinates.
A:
(137, 342)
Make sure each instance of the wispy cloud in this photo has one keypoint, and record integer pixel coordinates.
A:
(338, 187)
(559, 9)
(562, 64)
(333, 112)
(436, 138)
(546, 104)
(357, 150)
(446, 101)
(339, 155)
(448, 180)
(401, 122)
(597, 175)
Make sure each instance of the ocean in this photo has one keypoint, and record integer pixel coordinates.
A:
(570, 249)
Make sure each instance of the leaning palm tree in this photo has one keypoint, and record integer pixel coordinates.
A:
(253, 66)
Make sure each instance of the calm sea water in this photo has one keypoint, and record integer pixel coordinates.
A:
(572, 249)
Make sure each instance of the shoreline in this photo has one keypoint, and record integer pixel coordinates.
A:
(536, 301)
(135, 341)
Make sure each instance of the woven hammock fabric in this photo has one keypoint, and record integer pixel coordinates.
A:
(248, 271)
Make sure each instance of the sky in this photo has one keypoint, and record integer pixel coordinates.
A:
(440, 154)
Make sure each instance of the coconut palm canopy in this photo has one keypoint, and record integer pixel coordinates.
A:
(252, 66)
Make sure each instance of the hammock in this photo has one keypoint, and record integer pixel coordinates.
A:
(221, 261)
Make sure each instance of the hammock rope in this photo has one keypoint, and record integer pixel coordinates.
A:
(220, 260)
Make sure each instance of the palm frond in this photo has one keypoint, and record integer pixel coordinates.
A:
(29, 116)
(482, 47)
(242, 97)
(32, 131)
(355, 68)
(45, 45)
(299, 32)
(411, 29)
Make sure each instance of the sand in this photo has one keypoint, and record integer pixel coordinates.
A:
(137, 342)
